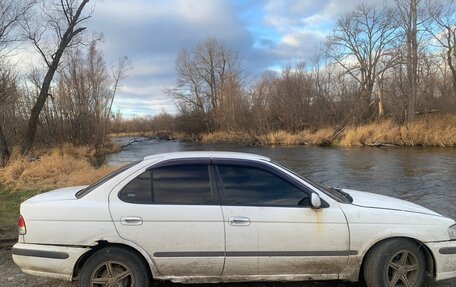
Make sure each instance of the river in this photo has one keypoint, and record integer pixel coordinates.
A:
(426, 176)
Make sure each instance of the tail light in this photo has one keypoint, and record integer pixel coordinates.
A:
(21, 225)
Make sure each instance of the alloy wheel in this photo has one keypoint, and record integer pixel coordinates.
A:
(403, 269)
(112, 274)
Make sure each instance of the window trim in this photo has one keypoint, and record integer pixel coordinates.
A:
(181, 161)
(265, 167)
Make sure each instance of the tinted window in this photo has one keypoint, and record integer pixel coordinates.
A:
(182, 184)
(176, 184)
(138, 190)
(245, 185)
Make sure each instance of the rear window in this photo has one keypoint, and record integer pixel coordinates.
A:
(87, 190)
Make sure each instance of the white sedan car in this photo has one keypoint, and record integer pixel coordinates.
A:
(199, 217)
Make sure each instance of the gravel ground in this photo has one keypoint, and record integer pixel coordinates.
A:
(11, 276)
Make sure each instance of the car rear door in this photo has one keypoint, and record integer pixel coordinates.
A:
(173, 212)
(270, 227)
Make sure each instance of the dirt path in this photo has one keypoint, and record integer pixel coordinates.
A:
(11, 276)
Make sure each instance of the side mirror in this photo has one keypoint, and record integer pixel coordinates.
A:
(315, 201)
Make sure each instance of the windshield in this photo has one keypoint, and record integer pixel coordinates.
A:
(335, 193)
(91, 187)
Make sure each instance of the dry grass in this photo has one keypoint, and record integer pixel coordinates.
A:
(382, 132)
(280, 137)
(320, 137)
(434, 131)
(62, 166)
(225, 137)
(426, 131)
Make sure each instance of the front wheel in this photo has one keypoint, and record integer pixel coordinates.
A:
(114, 267)
(395, 263)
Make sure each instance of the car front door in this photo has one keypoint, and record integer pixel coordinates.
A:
(173, 212)
(270, 227)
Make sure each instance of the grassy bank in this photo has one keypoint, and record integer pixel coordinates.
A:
(47, 169)
(429, 131)
(25, 177)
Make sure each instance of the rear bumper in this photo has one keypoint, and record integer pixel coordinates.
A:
(445, 259)
(47, 260)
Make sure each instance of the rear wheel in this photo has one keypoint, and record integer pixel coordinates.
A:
(114, 266)
(395, 263)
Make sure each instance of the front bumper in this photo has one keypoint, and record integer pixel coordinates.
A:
(47, 260)
(445, 259)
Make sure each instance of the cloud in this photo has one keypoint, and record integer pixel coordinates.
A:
(151, 33)
(265, 33)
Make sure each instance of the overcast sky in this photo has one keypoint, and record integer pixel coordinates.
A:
(267, 35)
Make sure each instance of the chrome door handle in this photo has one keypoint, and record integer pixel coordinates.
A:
(131, 220)
(239, 221)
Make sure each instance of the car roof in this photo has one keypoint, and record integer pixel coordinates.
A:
(208, 154)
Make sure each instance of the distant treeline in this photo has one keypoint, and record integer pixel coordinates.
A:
(391, 61)
(380, 62)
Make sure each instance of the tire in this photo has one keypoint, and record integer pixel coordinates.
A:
(115, 266)
(396, 262)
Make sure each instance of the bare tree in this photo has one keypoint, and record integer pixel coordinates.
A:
(360, 41)
(11, 14)
(208, 79)
(80, 108)
(189, 91)
(443, 30)
(118, 73)
(8, 95)
(408, 10)
(64, 18)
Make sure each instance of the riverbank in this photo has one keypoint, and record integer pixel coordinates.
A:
(46, 169)
(427, 132)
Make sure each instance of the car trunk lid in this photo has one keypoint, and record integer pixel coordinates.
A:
(67, 193)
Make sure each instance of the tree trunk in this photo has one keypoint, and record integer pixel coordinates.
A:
(4, 151)
(412, 60)
(32, 125)
(450, 54)
(381, 111)
(69, 34)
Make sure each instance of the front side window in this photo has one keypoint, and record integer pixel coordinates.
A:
(252, 186)
(174, 184)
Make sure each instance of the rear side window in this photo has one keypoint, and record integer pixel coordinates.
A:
(139, 190)
(252, 186)
(174, 184)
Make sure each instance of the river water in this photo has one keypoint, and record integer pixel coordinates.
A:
(426, 176)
